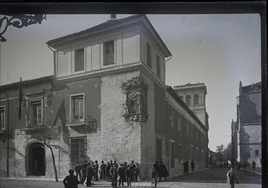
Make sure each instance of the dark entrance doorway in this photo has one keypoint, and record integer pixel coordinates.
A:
(37, 163)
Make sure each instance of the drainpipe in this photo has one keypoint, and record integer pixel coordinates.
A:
(7, 124)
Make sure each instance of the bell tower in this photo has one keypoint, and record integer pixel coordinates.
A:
(194, 95)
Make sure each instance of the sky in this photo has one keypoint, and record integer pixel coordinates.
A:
(218, 50)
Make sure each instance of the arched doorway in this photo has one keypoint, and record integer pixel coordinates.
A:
(37, 164)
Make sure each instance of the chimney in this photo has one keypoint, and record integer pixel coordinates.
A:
(113, 16)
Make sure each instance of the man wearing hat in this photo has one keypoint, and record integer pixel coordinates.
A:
(231, 177)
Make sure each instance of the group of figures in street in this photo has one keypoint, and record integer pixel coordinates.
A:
(109, 172)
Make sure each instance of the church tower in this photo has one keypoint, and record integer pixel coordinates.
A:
(194, 95)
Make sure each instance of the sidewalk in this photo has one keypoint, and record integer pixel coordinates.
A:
(257, 171)
(190, 172)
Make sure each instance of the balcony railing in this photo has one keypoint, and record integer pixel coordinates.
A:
(88, 122)
(37, 123)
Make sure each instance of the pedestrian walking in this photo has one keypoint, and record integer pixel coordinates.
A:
(253, 165)
(185, 167)
(71, 180)
(96, 170)
(121, 174)
(162, 171)
(245, 165)
(77, 169)
(155, 174)
(192, 165)
(129, 175)
(90, 172)
(232, 178)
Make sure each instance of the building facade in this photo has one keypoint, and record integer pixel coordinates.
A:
(247, 128)
(107, 100)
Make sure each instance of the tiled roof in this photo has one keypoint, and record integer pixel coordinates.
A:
(108, 24)
(96, 28)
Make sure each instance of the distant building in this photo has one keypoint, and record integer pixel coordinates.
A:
(107, 100)
(246, 131)
(194, 95)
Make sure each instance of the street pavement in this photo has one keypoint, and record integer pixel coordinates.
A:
(202, 179)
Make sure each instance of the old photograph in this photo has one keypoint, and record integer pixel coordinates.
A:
(138, 100)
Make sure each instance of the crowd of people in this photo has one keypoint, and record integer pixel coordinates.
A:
(111, 171)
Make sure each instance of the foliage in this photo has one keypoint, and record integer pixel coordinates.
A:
(219, 152)
(227, 153)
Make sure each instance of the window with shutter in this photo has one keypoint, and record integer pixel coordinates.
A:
(79, 61)
(108, 53)
(77, 108)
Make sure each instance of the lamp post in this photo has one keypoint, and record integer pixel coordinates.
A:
(18, 21)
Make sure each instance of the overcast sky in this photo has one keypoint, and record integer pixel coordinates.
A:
(219, 50)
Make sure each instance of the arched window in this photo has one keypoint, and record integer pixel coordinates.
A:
(196, 99)
(188, 99)
(181, 97)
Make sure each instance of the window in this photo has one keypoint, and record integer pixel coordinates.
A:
(179, 123)
(2, 118)
(79, 60)
(78, 148)
(257, 152)
(77, 108)
(179, 153)
(172, 119)
(172, 147)
(136, 103)
(149, 55)
(108, 53)
(36, 112)
(196, 99)
(188, 100)
(158, 67)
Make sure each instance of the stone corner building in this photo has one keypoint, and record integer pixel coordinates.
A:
(246, 131)
(107, 100)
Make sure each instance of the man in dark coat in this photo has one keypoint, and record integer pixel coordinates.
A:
(78, 170)
(102, 171)
(114, 175)
(71, 180)
(155, 174)
(121, 174)
(232, 178)
(136, 172)
(96, 170)
(107, 172)
(128, 175)
(163, 172)
(185, 167)
(192, 165)
(83, 170)
(90, 172)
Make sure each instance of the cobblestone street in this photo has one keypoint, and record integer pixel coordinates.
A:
(203, 179)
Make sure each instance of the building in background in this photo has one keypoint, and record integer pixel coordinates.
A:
(247, 128)
(107, 100)
(194, 96)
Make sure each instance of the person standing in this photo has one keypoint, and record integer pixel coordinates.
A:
(121, 174)
(114, 173)
(185, 167)
(102, 171)
(107, 171)
(136, 172)
(83, 172)
(71, 180)
(77, 169)
(90, 172)
(96, 170)
(163, 172)
(192, 165)
(253, 165)
(232, 178)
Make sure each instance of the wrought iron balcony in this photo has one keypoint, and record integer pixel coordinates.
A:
(88, 122)
(37, 123)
